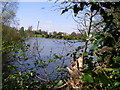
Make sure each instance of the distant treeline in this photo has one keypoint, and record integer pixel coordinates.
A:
(60, 35)
(10, 33)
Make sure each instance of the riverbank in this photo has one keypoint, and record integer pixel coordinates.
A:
(59, 38)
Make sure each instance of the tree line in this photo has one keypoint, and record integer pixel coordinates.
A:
(15, 34)
(60, 35)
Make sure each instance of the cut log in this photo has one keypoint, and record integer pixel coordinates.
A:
(75, 72)
(79, 63)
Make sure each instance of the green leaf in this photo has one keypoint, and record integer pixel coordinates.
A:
(86, 54)
(12, 76)
(117, 83)
(20, 73)
(100, 42)
(25, 59)
(94, 47)
(57, 57)
(68, 54)
(42, 62)
(65, 10)
(99, 37)
(117, 58)
(58, 84)
(88, 78)
(103, 79)
(89, 37)
(50, 60)
(108, 69)
(58, 67)
(100, 59)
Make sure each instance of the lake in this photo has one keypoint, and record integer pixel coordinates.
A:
(42, 49)
(48, 47)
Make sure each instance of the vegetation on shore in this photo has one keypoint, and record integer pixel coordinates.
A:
(60, 35)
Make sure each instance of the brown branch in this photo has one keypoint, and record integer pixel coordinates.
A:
(41, 78)
(86, 43)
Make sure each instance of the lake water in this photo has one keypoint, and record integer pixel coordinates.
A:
(42, 49)
(47, 47)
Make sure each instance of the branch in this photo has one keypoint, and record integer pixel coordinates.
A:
(85, 48)
(62, 85)
(41, 78)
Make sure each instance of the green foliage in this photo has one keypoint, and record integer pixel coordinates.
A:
(88, 78)
(102, 73)
(9, 34)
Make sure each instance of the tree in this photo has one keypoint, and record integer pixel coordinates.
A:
(73, 34)
(86, 71)
(55, 33)
(22, 31)
(9, 13)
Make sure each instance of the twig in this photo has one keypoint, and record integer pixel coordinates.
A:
(42, 78)
(62, 85)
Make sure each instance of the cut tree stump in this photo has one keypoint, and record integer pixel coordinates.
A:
(75, 72)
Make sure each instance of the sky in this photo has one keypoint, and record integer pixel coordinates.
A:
(48, 14)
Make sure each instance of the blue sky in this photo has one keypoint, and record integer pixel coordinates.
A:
(29, 13)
